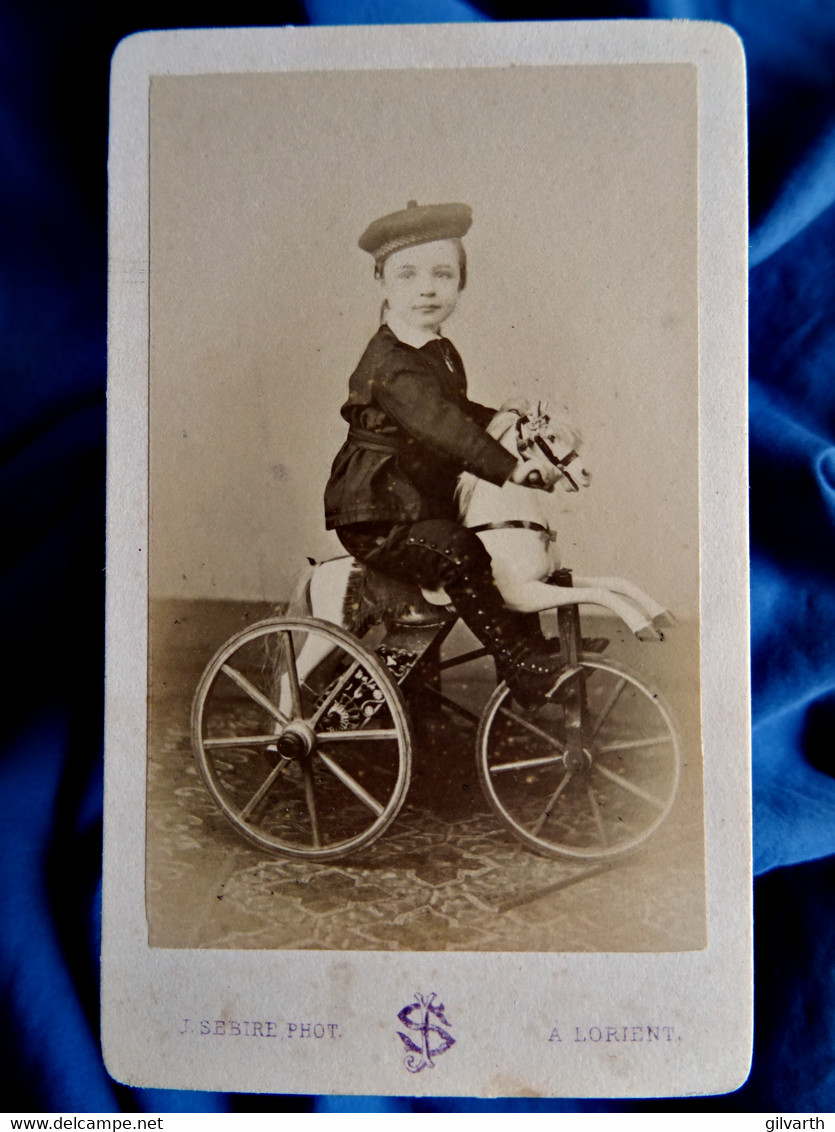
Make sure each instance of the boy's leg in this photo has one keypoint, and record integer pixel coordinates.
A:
(439, 553)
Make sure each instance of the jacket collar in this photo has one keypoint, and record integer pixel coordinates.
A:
(408, 334)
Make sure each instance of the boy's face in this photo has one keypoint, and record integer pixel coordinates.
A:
(422, 284)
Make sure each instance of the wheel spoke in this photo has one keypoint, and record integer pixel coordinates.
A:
(352, 784)
(625, 784)
(311, 803)
(283, 802)
(292, 675)
(610, 703)
(326, 703)
(520, 719)
(634, 744)
(598, 818)
(526, 764)
(343, 736)
(552, 801)
(522, 762)
(260, 793)
(254, 693)
(239, 741)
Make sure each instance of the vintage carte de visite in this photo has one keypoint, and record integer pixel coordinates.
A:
(417, 785)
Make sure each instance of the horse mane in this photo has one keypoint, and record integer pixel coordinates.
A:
(499, 427)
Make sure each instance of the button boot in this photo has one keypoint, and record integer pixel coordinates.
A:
(527, 660)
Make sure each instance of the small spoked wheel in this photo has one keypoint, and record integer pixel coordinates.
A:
(591, 774)
(302, 738)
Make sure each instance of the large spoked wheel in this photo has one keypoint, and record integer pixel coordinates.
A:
(305, 764)
(590, 775)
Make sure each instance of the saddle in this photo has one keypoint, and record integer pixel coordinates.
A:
(372, 597)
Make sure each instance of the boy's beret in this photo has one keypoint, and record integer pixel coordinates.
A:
(415, 224)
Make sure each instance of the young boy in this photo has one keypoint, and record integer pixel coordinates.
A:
(412, 431)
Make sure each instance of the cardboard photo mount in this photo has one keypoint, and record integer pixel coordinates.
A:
(188, 126)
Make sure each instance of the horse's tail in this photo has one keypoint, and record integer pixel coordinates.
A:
(300, 604)
(329, 590)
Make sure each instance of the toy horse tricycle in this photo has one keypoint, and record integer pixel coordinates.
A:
(301, 730)
(592, 774)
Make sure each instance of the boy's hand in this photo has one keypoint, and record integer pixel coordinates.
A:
(535, 473)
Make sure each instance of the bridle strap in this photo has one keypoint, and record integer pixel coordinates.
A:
(515, 525)
(561, 464)
(567, 459)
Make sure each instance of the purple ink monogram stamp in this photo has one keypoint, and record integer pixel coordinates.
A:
(420, 1056)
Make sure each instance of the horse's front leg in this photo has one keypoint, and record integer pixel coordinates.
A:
(660, 617)
(535, 597)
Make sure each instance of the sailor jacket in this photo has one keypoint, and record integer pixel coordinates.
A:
(412, 431)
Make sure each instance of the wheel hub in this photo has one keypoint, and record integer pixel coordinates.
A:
(296, 741)
(576, 761)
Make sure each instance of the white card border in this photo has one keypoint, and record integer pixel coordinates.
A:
(705, 995)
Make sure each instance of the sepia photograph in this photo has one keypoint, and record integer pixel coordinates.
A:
(424, 617)
(426, 604)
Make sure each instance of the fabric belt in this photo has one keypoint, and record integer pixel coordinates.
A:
(376, 441)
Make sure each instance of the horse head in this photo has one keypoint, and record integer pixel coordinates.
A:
(525, 432)
(553, 438)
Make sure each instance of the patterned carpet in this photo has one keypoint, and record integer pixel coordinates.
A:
(445, 876)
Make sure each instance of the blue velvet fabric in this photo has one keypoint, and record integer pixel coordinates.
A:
(53, 90)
